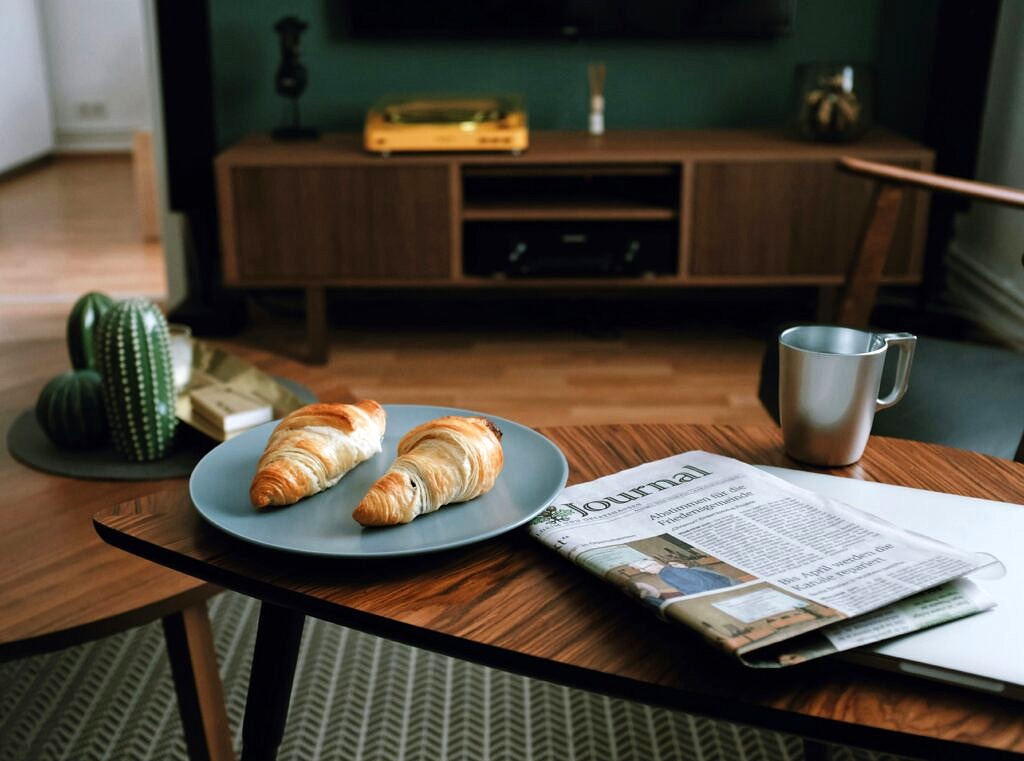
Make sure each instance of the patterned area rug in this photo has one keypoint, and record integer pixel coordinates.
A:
(356, 697)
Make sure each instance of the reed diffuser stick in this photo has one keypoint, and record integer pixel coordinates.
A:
(596, 73)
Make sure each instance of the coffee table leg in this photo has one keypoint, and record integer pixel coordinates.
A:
(270, 684)
(197, 683)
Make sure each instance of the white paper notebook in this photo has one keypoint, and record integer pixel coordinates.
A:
(230, 408)
(980, 652)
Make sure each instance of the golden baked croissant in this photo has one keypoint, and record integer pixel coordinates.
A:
(313, 447)
(451, 459)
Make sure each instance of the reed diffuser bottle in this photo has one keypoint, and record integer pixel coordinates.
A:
(595, 77)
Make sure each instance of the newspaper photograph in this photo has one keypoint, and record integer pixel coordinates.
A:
(770, 572)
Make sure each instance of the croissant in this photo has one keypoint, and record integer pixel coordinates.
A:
(313, 447)
(451, 459)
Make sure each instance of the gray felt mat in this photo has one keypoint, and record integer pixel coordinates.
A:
(30, 446)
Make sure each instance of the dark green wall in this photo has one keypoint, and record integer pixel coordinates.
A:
(650, 84)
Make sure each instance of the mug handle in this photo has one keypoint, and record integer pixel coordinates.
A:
(905, 342)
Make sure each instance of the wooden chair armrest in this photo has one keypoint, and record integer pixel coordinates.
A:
(942, 183)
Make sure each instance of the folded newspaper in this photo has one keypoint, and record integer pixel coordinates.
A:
(770, 572)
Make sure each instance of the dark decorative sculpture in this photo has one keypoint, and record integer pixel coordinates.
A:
(290, 80)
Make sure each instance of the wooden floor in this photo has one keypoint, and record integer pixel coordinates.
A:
(71, 227)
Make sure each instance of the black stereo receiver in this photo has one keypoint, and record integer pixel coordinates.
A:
(566, 249)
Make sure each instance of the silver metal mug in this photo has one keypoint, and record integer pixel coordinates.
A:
(828, 389)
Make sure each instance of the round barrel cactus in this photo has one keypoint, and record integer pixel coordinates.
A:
(82, 322)
(70, 409)
(138, 386)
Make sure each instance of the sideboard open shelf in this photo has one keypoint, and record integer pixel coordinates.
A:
(695, 208)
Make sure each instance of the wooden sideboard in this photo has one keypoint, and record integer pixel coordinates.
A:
(720, 207)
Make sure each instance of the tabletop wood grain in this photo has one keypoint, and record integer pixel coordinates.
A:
(512, 603)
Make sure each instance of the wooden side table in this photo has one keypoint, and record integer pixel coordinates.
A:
(61, 585)
(513, 604)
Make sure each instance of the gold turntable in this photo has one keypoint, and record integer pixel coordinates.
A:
(447, 123)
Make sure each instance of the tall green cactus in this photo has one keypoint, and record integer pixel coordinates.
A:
(81, 329)
(138, 386)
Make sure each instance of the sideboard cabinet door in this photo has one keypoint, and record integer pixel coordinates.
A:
(783, 220)
(294, 224)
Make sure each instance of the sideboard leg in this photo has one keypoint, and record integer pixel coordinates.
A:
(270, 683)
(828, 298)
(197, 683)
(316, 324)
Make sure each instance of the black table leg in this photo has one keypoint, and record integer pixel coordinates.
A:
(270, 683)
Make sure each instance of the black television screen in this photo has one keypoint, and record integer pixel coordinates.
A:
(553, 19)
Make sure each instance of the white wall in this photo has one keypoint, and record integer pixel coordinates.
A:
(97, 65)
(26, 125)
(173, 232)
(986, 274)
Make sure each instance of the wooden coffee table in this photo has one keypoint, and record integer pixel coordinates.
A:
(513, 604)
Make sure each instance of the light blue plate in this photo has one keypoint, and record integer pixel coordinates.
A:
(535, 472)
